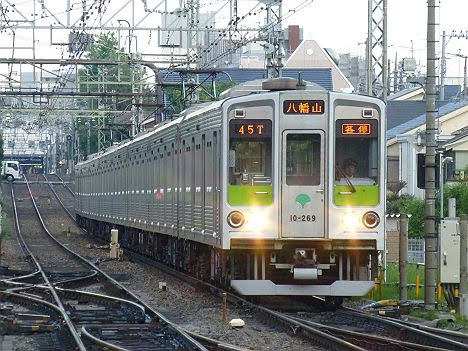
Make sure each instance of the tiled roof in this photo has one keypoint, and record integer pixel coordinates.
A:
(320, 76)
(421, 119)
(402, 93)
(402, 111)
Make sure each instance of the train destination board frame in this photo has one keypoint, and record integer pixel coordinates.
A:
(250, 128)
(303, 107)
(356, 128)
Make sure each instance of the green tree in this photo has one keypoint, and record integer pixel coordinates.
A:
(176, 101)
(459, 191)
(108, 79)
(409, 205)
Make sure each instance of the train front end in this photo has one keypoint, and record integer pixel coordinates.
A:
(303, 191)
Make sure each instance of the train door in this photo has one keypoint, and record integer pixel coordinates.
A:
(302, 184)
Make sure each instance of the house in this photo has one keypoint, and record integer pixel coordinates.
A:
(309, 55)
(406, 139)
(457, 148)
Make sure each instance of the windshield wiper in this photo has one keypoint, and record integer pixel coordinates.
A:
(348, 180)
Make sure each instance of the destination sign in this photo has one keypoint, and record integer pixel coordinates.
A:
(303, 107)
(254, 128)
(356, 128)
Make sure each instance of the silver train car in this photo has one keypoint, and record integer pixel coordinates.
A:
(277, 189)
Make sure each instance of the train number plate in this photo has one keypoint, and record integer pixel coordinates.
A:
(301, 218)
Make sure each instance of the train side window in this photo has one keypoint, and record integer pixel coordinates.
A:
(303, 159)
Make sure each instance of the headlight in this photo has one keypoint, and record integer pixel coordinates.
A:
(371, 219)
(235, 219)
(256, 220)
(351, 220)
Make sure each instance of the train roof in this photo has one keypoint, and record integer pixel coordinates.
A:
(257, 86)
(185, 115)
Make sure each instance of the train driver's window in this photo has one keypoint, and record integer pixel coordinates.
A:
(250, 159)
(356, 153)
(303, 159)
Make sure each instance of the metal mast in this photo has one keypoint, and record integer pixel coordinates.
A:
(431, 145)
(274, 38)
(376, 50)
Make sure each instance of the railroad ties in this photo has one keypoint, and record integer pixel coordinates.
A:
(69, 301)
(118, 319)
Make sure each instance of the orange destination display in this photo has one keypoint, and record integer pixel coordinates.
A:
(250, 128)
(356, 128)
(352, 128)
(303, 107)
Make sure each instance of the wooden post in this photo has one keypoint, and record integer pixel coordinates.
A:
(224, 309)
(403, 256)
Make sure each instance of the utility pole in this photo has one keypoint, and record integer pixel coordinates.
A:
(431, 145)
(376, 49)
(463, 305)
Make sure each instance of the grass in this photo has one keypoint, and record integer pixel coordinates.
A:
(390, 288)
(443, 323)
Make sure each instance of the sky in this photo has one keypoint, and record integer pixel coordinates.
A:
(342, 25)
(337, 24)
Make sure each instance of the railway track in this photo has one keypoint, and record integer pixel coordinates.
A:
(374, 332)
(76, 308)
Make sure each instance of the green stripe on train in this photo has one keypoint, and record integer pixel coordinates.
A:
(250, 195)
(365, 195)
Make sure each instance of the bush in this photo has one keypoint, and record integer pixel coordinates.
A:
(460, 192)
(409, 205)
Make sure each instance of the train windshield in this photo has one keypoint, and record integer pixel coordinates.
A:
(303, 159)
(356, 155)
(250, 160)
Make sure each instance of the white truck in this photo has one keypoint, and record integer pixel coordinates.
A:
(11, 170)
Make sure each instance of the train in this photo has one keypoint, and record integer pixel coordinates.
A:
(278, 188)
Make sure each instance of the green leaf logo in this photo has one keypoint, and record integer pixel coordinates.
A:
(302, 199)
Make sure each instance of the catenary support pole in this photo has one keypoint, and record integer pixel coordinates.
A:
(403, 257)
(465, 79)
(442, 69)
(463, 292)
(431, 145)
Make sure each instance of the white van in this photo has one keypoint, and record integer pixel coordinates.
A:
(11, 170)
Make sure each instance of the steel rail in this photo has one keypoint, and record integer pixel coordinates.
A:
(118, 285)
(446, 333)
(310, 332)
(442, 341)
(422, 333)
(31, 256)
(60, 200)
(388, 343)
(20, 297)
(100, 342)
(64, 184)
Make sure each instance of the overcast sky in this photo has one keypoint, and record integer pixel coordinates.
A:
(338, 24)
(342, 25)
